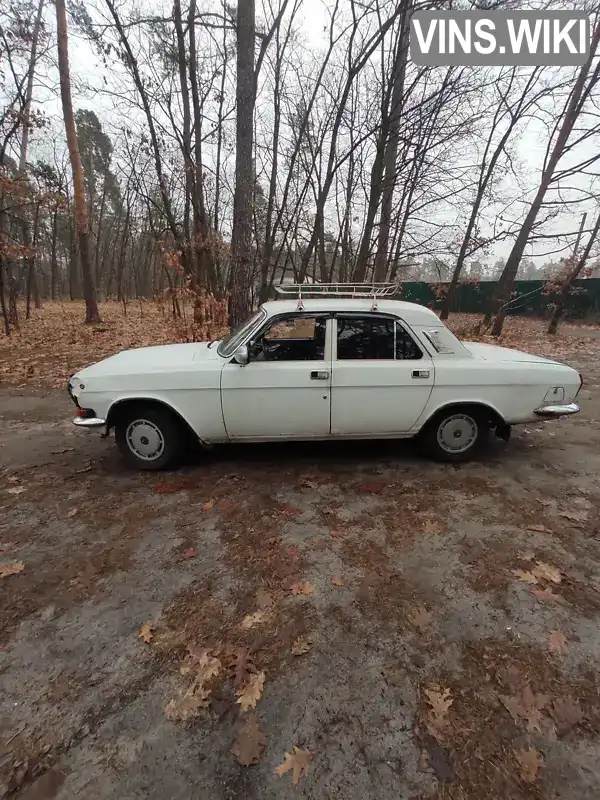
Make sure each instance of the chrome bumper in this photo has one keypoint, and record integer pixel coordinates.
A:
(557, 410)
(89, 422)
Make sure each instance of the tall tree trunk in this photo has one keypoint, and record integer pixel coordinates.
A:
(391, 148)
(579, 94)
(53, 260)
(572, 276)
(22, 174)
(241, 236)
(83, 229)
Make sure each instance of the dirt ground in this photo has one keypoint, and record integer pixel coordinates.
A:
(450, 625)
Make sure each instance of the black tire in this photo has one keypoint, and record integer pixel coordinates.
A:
(150, 438)
(467, 427)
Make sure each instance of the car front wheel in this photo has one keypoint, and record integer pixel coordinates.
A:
(456, 435)
(150, 438)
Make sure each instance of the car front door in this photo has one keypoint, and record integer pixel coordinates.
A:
(284, 389)
(381, 377)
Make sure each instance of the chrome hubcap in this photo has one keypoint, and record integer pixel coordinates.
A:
(145, 440)
(457, 433)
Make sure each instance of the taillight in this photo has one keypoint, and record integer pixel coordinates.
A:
(86, 413)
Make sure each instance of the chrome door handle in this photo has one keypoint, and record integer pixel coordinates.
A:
(420, 373)
(319, 375)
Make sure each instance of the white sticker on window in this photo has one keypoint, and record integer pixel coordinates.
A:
(436, 340)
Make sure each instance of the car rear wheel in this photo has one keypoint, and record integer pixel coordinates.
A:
(456, 435)
(150, 438)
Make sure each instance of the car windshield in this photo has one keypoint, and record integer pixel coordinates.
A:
(231, 342)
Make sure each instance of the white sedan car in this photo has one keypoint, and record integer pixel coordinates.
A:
(328, 367)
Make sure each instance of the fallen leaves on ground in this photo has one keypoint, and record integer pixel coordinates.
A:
(16, 490)
(6, 547)
(547, 594)
(250, 693)
(203, 667)
(171, 487)
(547, 572)
(190, 552)
(250, 742)
(420, 617)
(529, 761)
(292, 553)
(72, 513)
(251, 620)
(11, 568)
(301, 646)
(297, 761)
(439, 700)
(433, 526)
(146, 632)
(208, 506)
(557, 643)
(264, 600)
(526, 707)
(302, 587)
(566, 713)
(526, 576)
(338, 533)
(337, 580)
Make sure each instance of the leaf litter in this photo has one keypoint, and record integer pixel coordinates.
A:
(557, 643)
(251, 692)
(302, 587)
(526, 707)
(250, 742)
(298, 762)
(11, 568)
(530, 762)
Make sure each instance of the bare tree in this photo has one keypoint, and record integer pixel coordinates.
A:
(92, 314)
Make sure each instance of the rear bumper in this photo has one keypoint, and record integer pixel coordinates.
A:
(563, 410)
(89, 422)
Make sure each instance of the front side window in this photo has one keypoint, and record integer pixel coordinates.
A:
(297, 337)
(374, 338)
(232, 341)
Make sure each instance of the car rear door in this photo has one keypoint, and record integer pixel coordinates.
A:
(381, 377)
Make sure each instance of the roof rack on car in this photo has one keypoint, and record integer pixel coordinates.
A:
(376, 291)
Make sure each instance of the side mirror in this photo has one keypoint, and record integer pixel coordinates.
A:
(241, 355)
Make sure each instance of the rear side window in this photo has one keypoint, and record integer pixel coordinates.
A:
(374, 338)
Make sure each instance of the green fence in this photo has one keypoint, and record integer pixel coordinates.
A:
(528, 299)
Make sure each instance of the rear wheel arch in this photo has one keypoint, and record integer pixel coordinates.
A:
(490, 413)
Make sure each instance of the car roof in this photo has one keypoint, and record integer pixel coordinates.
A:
(410, 312)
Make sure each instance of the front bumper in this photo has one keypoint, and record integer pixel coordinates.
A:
(89, 422)
(562, 410)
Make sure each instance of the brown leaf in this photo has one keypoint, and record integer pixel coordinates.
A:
(529, 762)
(433, 526)
(292, 553)
(205, 665)
(146, 632)
(243, 666)
(297, 761)
(370, 488)
(250, 693)
(420, 617)
(574, 516)
(528, 577)
(566, 713)
(251, 620)
(302, 587)
(557, 643)
(337, 580)
(11, 568)
(301, 646)
(547, 572)
(17, 490)
(291, 510)
(190, 552)
(525, 707)
(264, 600)
(208, 506)
(250, 743)
(539, 528)
(547, 594)
(440, 701)
(72, 512)
(6, 547)
(188, 703)
(338, 533)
